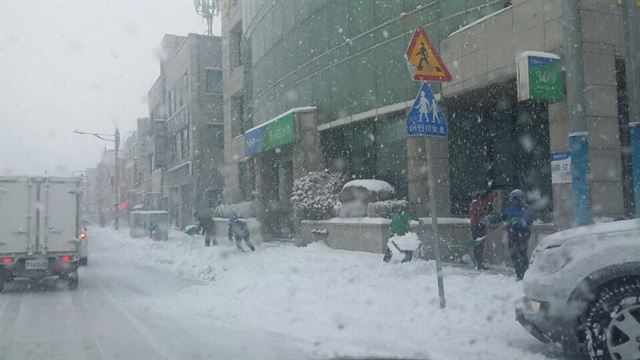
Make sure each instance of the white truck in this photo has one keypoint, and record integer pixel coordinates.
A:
(39, 229)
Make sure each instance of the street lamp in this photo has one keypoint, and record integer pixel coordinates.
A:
(116, 139)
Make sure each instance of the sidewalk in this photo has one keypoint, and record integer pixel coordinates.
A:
(349, 303)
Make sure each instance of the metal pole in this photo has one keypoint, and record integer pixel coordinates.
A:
(116, 211)
(434, 224)
(578, 142)
(634, 134)
(631, 18)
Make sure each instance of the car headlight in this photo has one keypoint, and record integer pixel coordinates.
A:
(551, 259)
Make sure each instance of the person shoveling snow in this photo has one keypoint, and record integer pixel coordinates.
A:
(401, 241)
(239, 229)
(403, 245)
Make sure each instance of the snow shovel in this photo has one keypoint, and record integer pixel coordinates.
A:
(191, 230)
(476, 242)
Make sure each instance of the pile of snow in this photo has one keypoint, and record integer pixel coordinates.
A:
(371, 185)
(342, 303)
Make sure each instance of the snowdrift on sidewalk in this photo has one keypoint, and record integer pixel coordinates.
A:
(348, 304)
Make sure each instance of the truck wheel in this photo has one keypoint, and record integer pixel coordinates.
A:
(84, 261)
(612, 323)
(72, 281)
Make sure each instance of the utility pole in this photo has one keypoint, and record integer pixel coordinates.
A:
(576, 105)
(116, 140)
(631, 19)
(116, 213)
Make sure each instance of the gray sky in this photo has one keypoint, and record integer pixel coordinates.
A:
(84, 65)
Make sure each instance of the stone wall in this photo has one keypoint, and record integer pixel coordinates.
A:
(371, 234)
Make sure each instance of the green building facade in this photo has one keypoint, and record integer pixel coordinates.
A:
(345, 58)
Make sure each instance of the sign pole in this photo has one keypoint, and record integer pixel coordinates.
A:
(434, 225)
(427, 119)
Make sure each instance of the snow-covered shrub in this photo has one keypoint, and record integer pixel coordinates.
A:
(315, 195)
(384, 209)
(247, 209)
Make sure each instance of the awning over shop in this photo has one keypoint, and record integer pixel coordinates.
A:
(272, 134)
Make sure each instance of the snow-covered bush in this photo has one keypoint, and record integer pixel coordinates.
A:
(315, 195)
(384, 209)
(247, 209)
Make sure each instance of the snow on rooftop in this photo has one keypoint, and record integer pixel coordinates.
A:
(484, 18)
(370, 184)
(294, 110)
(538, 54)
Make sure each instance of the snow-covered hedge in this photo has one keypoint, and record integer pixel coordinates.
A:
(315, 195)
(384, 209)
(247, 209)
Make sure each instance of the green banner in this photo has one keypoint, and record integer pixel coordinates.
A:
(271, 135)
(545, 79)
(279, 132)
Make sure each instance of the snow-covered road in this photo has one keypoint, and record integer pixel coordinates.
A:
(140, 299)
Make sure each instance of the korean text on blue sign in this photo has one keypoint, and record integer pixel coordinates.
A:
(426, 118)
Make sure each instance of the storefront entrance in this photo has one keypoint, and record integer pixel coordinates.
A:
(496, 141)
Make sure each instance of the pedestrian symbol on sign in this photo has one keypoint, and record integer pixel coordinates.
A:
(426, 118)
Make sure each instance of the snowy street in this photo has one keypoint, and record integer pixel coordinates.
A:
(178, 300)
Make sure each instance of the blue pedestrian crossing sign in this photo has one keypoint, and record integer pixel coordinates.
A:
(426, 118)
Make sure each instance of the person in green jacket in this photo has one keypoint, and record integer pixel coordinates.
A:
(400, 225)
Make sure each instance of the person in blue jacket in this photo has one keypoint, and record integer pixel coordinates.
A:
(518, 220)
(239, 229)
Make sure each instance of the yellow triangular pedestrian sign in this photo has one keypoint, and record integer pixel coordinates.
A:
(424, 59)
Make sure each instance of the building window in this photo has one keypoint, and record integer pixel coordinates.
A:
(214, 198)
(246, 177)
(216, 136)
(235, 46)
(184, 143)
(237, 126)
(172, 101)
(213, 81)
(184, 93)
(174, 148)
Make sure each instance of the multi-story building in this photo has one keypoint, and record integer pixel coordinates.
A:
(105, 195)
(90, 191)
(185, 108)
(332, 77)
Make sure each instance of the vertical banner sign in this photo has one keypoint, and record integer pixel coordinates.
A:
(560, 167)
(540, 77)
(427, 119)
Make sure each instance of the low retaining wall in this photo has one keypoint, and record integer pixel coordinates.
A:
(371, 234)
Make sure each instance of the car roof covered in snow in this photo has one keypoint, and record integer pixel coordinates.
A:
(609, 229)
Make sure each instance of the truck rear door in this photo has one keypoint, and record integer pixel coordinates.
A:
(17, 219)
(59, 214)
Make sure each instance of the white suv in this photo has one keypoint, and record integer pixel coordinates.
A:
(582, 290)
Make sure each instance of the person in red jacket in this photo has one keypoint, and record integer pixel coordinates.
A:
(479, 207)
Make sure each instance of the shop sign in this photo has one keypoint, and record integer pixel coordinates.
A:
(561, 167)
(270, 135)
(540, 77)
